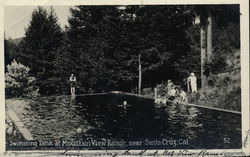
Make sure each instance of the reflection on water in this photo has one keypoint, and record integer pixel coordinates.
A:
(107, 116)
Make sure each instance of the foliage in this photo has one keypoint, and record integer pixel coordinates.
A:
(88, 45)
(162, 89)
(101, 46)
(10, 52)
(224, 92)
(189, 61)
(226, 40)
(125, 33)
(39, 49)
(18, 81)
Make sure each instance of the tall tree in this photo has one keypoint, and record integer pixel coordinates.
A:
(209, 38)
(162, 40)
(39, 48)
(106, 41)
(97, 36)
(222, 15)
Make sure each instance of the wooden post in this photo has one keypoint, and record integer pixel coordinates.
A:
(155, 89)
(140, 75)
(209, 38)
(203, 56)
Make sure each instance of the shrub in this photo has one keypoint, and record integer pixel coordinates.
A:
(18, 82)
(223, 92)
(161, 88)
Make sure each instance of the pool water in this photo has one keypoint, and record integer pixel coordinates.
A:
(105, 117)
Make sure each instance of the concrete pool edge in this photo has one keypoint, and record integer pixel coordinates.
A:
(188, 104)
(20, 126)
(141, 96)
(211, 108)
(28, 136)
(118, 98)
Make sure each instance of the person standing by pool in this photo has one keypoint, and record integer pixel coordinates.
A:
(169, 86)
(72, 80)
(182, 96)
(172, 93)
(192, 83)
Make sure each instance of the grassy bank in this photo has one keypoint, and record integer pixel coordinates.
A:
(223, 90)
(225, 93)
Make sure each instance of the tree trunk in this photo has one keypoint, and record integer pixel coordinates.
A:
(209, 39)
(140, 76)
(203, 56)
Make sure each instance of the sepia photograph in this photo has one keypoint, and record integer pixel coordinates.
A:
(122, 77)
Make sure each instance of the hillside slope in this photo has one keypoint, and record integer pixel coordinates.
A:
(16, 41)
(224, 90)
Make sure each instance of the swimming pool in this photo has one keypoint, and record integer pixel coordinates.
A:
(139, 124)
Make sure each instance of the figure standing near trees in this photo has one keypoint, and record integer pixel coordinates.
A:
(169, 86)
(192, 83)
(72, 84)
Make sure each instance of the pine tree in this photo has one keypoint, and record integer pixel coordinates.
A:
(106, 41)
(96, 35)
(39, 48)
(222, 15)
(162, 40)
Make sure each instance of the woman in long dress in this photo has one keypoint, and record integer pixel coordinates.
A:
(192, 83)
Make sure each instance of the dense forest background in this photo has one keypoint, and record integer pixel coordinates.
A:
(101, 46)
